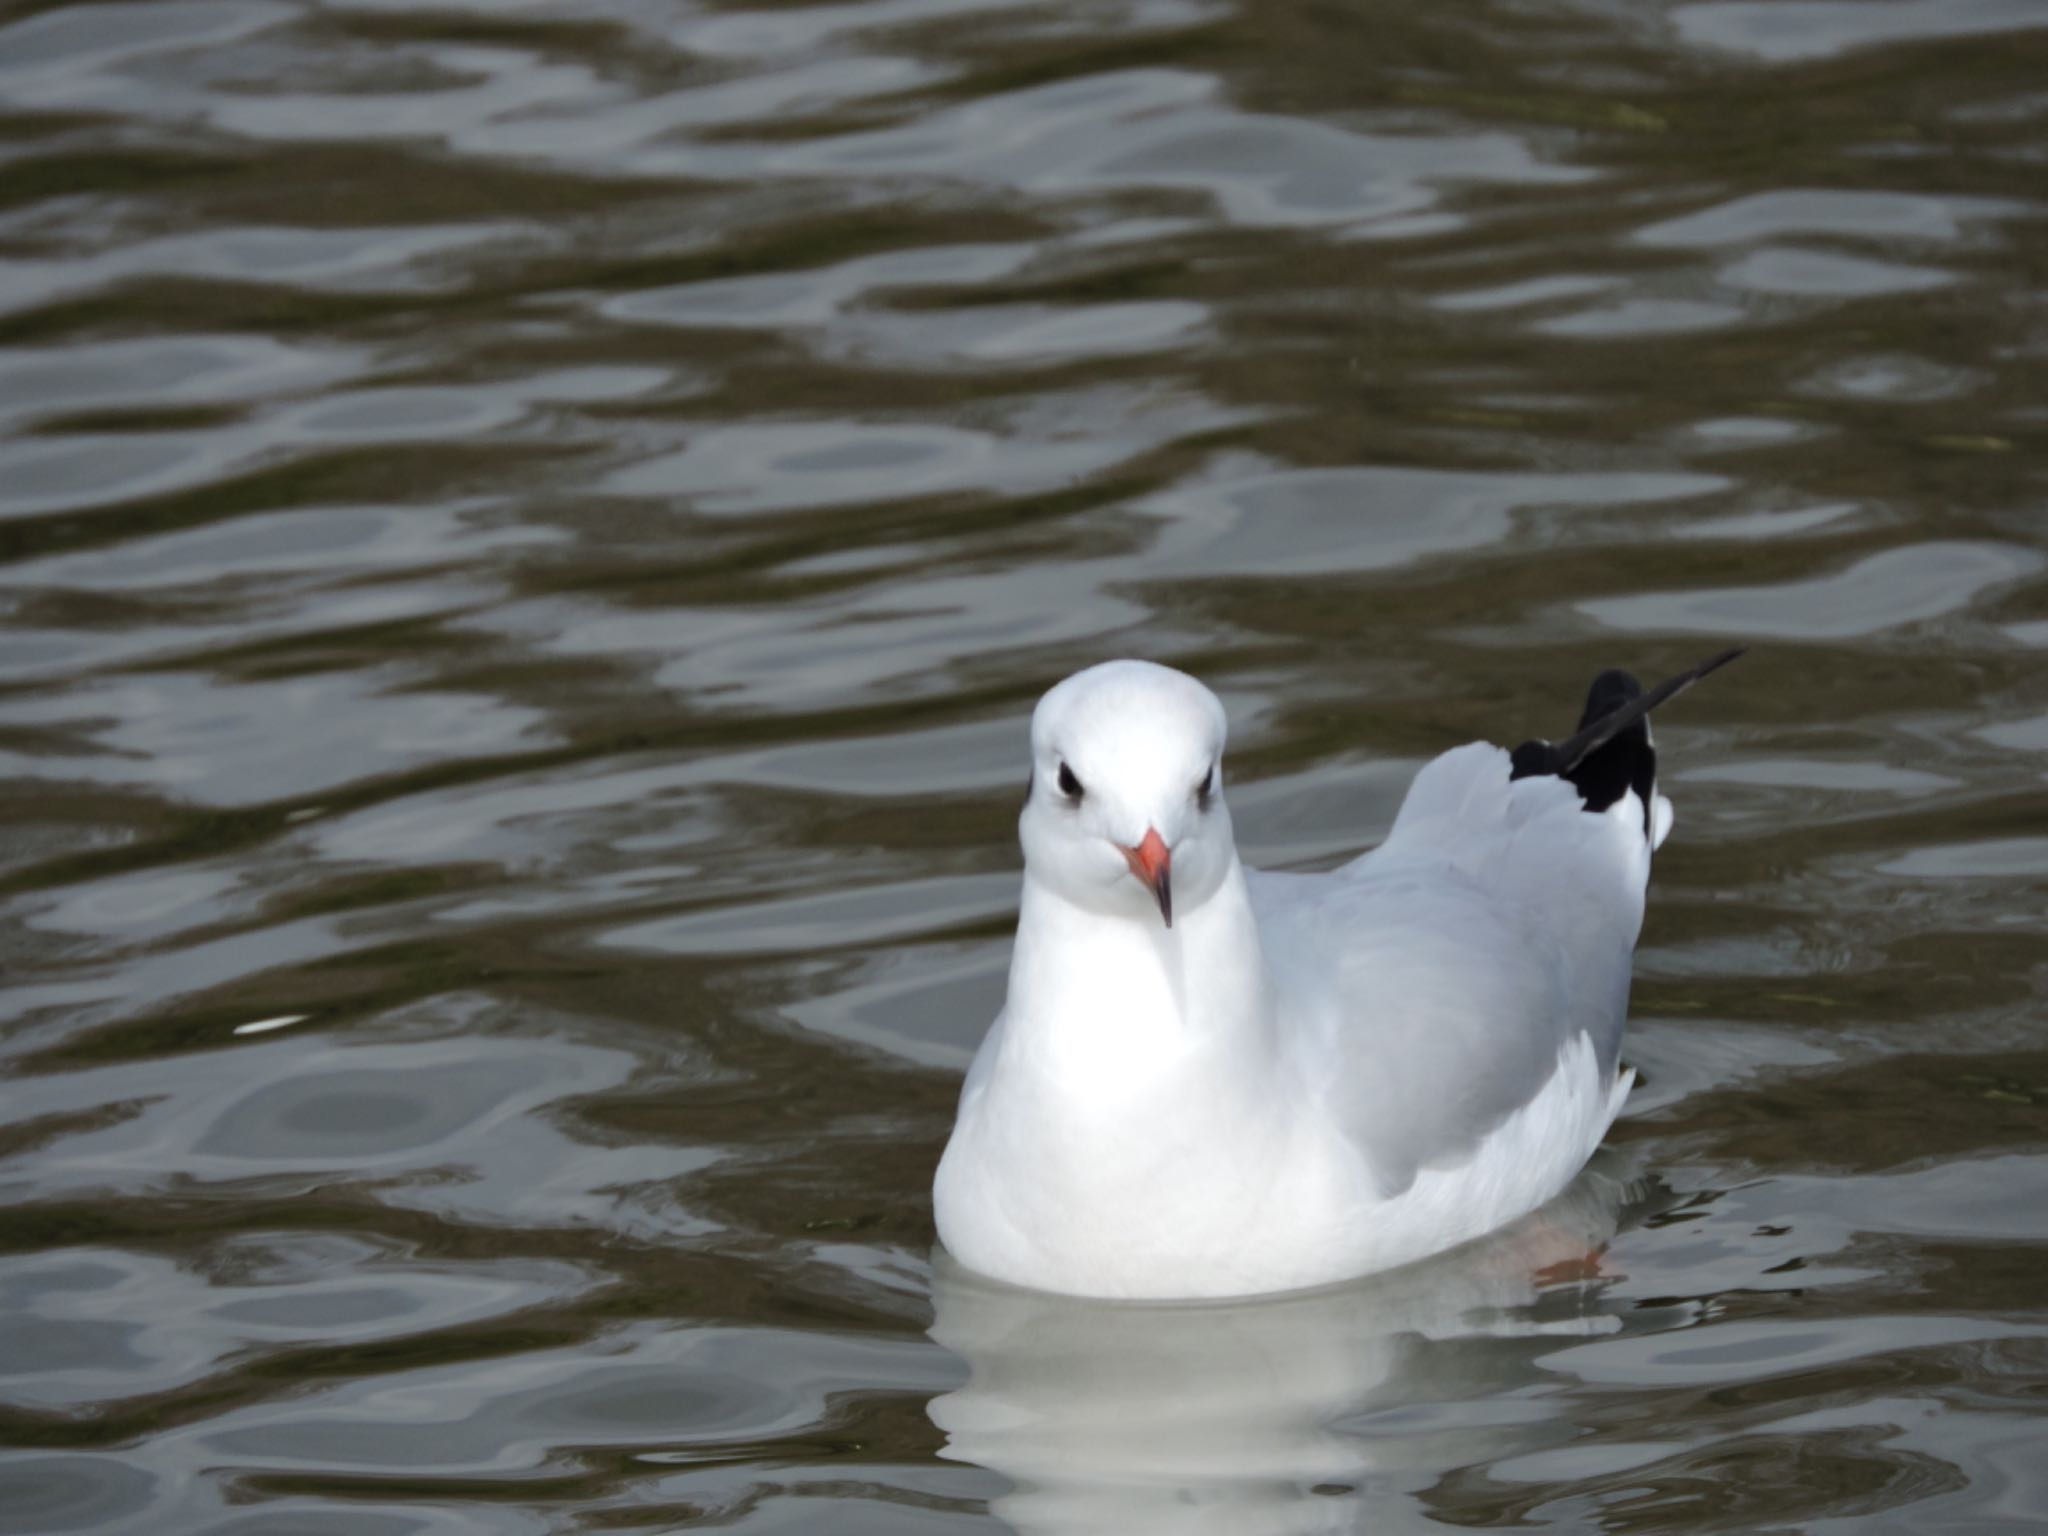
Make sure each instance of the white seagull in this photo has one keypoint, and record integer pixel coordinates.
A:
(1211, 1081)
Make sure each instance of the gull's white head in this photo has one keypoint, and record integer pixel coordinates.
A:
(1125, 814)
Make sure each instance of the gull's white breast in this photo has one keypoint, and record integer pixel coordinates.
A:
(1222, 1213)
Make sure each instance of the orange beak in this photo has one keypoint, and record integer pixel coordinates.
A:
(1153, 865)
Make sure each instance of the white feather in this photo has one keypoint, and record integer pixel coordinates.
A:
(1307, 1077)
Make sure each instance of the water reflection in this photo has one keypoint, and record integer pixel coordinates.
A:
(1311, 1412)
(1782, 31)
(527, 538)
(1901, 586)
(96, 1326)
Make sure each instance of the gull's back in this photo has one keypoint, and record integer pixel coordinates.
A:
(1445, 982)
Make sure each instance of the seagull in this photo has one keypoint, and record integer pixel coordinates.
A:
(1210, 1081)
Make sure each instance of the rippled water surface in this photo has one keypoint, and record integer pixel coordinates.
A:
(527, 537)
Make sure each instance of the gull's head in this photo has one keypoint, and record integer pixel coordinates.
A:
(1125, 814)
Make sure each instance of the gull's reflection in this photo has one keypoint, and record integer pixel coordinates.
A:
(1315, 1411)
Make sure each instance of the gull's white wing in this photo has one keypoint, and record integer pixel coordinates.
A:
(1429, 988)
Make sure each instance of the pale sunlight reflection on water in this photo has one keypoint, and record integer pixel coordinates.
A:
(527, 537)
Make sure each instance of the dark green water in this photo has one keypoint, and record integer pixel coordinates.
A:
(527, 537)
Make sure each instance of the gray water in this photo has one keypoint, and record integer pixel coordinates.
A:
(527, 538)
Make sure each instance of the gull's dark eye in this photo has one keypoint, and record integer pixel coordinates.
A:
(1069, 785)
(1207, 788)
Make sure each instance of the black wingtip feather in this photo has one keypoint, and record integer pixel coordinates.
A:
(1610, 753)
(1597, 732)
(1625, 760)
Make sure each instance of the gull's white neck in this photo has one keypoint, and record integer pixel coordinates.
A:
(1135, 1115)
(1118, 1008)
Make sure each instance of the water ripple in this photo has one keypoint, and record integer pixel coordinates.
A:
(528, 537)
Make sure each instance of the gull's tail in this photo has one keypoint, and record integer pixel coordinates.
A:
(1611, 752)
